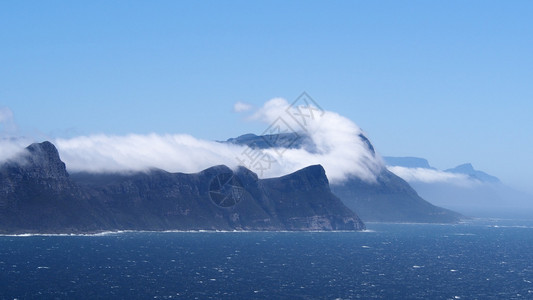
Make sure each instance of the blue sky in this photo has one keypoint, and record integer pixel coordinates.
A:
(451, 81)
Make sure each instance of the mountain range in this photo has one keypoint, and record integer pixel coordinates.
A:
(38, 195)
(388, 199)
(464, 189)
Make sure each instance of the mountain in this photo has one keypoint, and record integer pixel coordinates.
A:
(388, 199)
(417, 162)
(38, 195)
(290, 140)
(471, 192)
(468, 169)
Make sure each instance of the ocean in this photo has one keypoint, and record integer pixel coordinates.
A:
(481, 259)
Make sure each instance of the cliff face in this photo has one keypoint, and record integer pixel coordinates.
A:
(38, 195)
(304, 199)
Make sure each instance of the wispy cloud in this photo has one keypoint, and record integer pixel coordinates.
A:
(10, 148)
(241, 107)
(432, 176)
(7, 122)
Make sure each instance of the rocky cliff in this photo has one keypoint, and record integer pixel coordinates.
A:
(38, 195)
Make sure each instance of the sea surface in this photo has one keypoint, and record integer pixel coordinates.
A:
(481, 259)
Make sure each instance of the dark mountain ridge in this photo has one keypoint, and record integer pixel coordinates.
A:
(38, 195)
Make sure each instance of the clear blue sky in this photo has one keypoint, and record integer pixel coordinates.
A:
(451, 81)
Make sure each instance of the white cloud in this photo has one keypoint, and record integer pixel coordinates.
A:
(241, 107)
(175, 153)
(432, 176)
(10, 148)
(338, 148)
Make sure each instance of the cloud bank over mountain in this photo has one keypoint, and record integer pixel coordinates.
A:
(418, 170)
(463, 188)
(11, 148)
(426, 175)
(135, 152)
(338, 147)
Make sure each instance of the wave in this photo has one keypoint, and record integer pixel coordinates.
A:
(119, 232)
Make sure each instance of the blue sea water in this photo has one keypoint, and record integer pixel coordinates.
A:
(477, 260)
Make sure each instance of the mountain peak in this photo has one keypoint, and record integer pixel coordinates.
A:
(290, 140)
(43, 158)
(314, 171)
(465, 168)
(44, 146)
(468, 169)
(244, 136)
